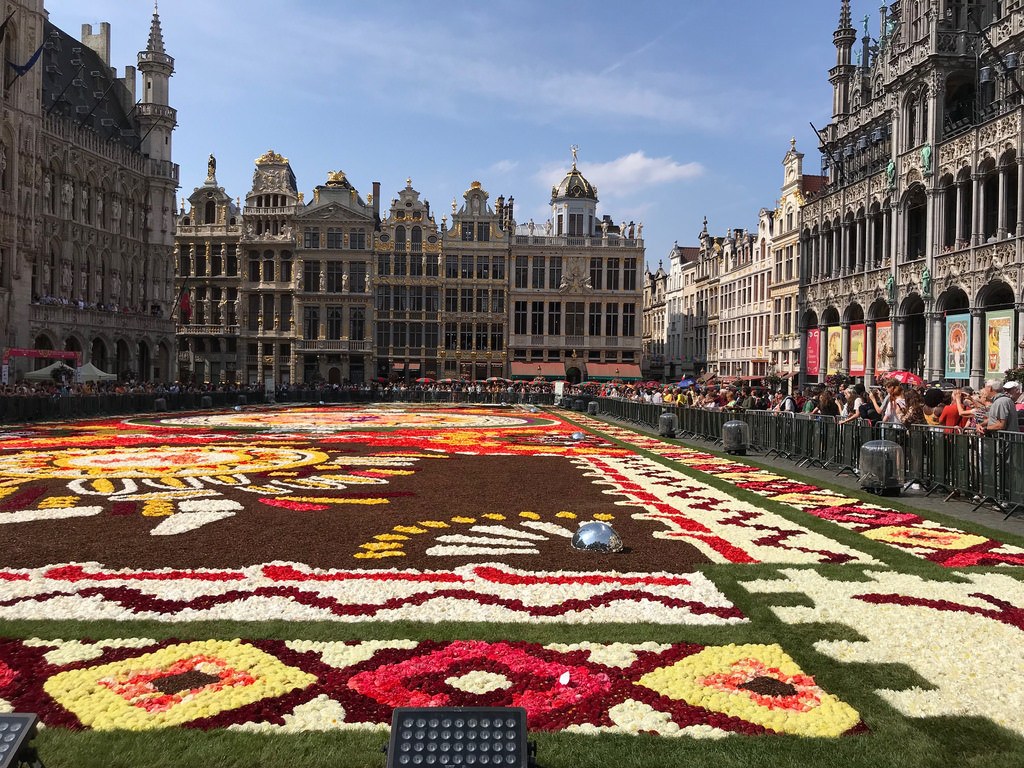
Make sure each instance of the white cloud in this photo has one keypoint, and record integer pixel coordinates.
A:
(503, 166)
(626, 175)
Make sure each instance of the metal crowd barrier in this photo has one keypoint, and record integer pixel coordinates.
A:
(985, 470)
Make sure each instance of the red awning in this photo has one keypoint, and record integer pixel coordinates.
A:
(609, 371)
(553, 371)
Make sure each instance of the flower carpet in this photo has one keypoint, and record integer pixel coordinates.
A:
(299, 572)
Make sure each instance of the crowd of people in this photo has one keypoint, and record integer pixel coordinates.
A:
(993, 408)
(110, 306)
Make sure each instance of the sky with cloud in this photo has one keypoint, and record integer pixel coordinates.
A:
(681, 108)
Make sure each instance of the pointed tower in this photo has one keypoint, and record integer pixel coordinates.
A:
(841, 75)
(157, 121)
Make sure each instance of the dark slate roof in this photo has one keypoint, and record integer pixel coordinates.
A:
(75, 80)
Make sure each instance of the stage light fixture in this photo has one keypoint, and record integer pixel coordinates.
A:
(16, 733)
(459, 736)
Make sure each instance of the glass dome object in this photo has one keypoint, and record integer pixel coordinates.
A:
(596, 537)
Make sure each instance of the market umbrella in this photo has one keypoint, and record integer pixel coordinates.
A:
(446, 381)
(497, 380)
(424, 380)
(905, 377)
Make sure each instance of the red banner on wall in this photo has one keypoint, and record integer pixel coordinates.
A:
(813, 355)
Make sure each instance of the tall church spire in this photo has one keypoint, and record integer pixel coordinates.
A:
(156, 35)
(845, 17)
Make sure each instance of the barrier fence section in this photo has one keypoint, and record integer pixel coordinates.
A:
(984, 469)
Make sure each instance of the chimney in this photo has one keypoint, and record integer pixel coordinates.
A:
(100, 42)
(376, 200)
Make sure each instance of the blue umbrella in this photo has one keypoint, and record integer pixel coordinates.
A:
(686, 382)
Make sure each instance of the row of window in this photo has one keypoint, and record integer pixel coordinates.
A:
(480, 300)
(334, 322)
(402, 298)
(530, 317)
(406, 265)
(402, 336)
(222, 262)
(469, 267)
(337, 238)
(546, 272)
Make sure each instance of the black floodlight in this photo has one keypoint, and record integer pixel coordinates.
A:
(459, 736)
(16, 734)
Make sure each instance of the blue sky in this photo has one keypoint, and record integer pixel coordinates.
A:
(681, 108)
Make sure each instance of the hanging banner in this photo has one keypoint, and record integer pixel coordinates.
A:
(884, 351)
(858, 350)
(813, 366)
(958, 346)
(835, 349)
(998, 342)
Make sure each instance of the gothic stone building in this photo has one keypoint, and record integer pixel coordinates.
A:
(86, 199)
(911, 255)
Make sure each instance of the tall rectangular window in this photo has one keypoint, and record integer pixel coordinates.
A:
(310, 276)
(357, 277)
(334, 276)
(466, 270)
(483, 268)
(594, 322)
(482, 295)
(613, 274)
(310, 322)
(595, 273)
(522, 271)
(451, 300)
(451, 267)
(466, 300)
(383, 299)
(611, 319)
(497, 336)
(416, 265)
(356, 323)
(335, 237)
(498, 301)
(466, 229)
(334, 322)
(574, 318)
(537, 318)
(433, 302)
(383, 264)
(555, 318)
(629, 320)
(401, 265)
(519, 318)
(575, 225)
(311, 237)
(357, 240)
(555, 272)
(538, 272)
(451, 335)
(629, 275)
(432, 266)
(483, 232)
(497, 267)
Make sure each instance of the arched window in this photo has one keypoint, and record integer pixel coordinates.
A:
(399, 238)
(417, 240)
(210, 216)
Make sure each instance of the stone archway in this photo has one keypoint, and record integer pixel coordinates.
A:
(574, 375)
(911, 348)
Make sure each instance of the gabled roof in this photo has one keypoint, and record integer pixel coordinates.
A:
(79, 86)
(811, 185)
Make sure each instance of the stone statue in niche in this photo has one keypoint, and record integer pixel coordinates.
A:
(67, 195)
(115, 209)
(65, 276)
(115, 285)
(47, 192)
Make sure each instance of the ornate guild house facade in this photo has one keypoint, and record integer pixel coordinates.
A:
(911, 254)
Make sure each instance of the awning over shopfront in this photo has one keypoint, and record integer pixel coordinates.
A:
(610, 371)
(549, 371)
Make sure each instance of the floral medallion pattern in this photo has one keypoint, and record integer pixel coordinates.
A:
(273, 685)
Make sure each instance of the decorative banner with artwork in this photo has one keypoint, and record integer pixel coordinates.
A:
(998, 342)
(813, 366)
(884, 351)
(858, 336)
(835, 349)
(958, 346)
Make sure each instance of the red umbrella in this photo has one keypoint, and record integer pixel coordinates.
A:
(425, 380)
(905, 377)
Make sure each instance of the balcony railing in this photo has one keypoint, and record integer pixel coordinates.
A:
(333, 345)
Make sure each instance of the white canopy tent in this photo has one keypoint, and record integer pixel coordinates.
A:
(90, 372)
(46, 374)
